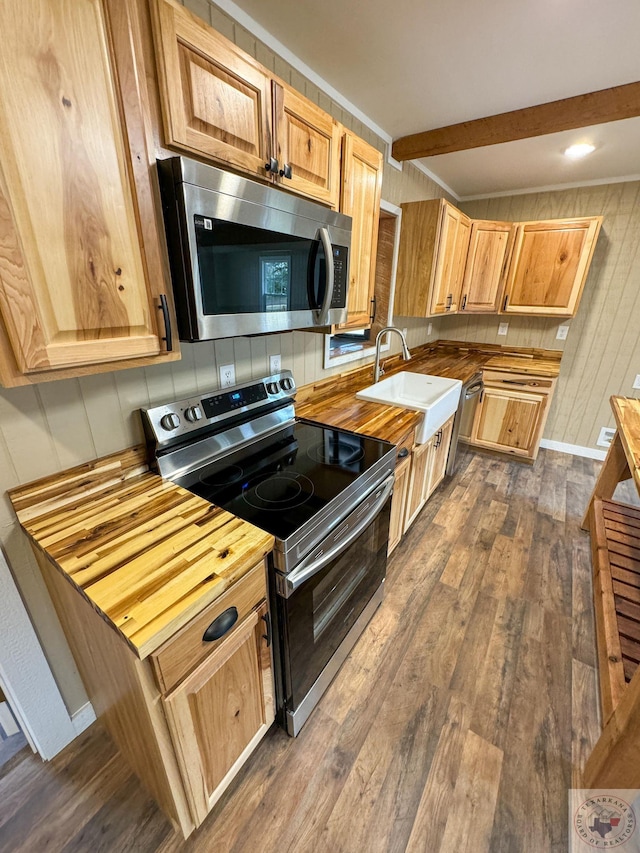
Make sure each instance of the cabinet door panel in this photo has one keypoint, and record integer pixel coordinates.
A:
(307, 140)
(220, 712)
(440, 454)
(489, 248)
(508, 420)
(360, 199)
(452, 249)
(549, 266)
(216, 100)
(76, 255)
(399, 503)
(421, 461)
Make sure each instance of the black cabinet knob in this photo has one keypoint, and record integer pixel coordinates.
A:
(219, 627)
(286, 172)
(271, 165)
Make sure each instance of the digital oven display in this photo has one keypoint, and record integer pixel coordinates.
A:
(230, 400)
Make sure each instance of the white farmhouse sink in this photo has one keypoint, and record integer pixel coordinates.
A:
(436, 396)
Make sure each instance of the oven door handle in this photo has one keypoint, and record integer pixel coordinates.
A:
(321, 316)
(288, 584)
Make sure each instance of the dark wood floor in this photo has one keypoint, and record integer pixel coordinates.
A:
(456, 724)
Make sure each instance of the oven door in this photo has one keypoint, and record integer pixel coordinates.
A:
(323, 605)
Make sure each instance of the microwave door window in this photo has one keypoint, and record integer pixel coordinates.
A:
(247, 270)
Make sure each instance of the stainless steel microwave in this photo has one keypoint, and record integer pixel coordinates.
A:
(247, 258)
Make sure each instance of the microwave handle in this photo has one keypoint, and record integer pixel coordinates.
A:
(306, 569)
(321, 316)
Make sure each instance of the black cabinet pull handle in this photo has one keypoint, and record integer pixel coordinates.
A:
(464, 302)
(506, 300)
(285, 172)
(372, 315)
(267, 622)
(402, 454)
(164, 307)
(271, 165)
(220, 625)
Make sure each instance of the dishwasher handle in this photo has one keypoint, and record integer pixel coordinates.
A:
(309, 567)
(474, 389)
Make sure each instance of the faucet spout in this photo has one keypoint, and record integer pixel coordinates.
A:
(406, 355)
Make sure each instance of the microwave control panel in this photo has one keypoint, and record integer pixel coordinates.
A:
(339, 299)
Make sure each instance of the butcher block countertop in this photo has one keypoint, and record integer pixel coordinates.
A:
(333, 401)
(146, 554)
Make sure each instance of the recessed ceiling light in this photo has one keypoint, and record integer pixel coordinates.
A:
(575, 152)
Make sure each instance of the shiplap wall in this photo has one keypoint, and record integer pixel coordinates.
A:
(56, 425)
(602, 351)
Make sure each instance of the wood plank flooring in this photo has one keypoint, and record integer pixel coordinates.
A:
(456, 724)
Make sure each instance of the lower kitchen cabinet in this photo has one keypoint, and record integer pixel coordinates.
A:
(428, 463)
(399, 503)
(186, 718)
(219, 713)
(511, 413)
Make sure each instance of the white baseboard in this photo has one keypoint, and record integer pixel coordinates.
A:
(573, 449)
(83, 718)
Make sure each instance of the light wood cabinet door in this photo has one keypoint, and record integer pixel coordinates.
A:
(81, 266)
(442, 442)
(421, 461)
(451, 255)
(486, 266)
(216, 99)
(510, 421)
(308, 144)
(399, 503)
(361, 187)
(220, 712)
(549, 266)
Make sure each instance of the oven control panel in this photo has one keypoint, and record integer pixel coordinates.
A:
(173, 420)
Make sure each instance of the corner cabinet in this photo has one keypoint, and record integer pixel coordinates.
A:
(361, 188)
(550, 265)
(82, 276)
(220, 103)
(434, 241)
(511, 413)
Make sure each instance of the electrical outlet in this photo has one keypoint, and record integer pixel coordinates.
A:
(636, 383)
(503, 328)
(606, 436)
(275, 364)
(405, 332)
(561, 334)
(429, 328)
(227, 375)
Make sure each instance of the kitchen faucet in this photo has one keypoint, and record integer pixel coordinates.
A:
(406, 355)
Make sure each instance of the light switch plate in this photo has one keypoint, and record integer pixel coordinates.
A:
(275, 364)
(561, 334)
(429, 328)
(227, 375)
(503, 328)
(636, 382)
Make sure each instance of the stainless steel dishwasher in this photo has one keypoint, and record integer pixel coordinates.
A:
(469, 396)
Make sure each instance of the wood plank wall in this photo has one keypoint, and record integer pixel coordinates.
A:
(602, 350)
(56, 425)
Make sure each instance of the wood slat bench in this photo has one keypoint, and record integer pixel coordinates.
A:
(615, 538)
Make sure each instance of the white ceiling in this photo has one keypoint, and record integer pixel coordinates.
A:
(414, 65)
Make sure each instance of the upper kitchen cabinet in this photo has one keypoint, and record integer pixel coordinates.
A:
(220, 103)
(486, 267)
(549, 266)
(433, 248)
(216, 100)
(360, 198)
(81, 265)
(307, 145)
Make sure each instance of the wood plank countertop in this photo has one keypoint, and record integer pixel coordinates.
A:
(333, 401)
(146, 554)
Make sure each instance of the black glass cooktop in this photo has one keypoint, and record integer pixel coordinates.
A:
(280, 483)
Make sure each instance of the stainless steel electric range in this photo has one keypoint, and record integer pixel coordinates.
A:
(323, 493)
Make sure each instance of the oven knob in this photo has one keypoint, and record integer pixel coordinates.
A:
(286, 384)
(170, 421)
(193, 414)
(272, 387)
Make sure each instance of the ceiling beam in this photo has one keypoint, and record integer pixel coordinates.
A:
(613, 104)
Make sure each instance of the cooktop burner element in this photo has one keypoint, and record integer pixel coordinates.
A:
(337, 450)
(278, 492)
(228, 475)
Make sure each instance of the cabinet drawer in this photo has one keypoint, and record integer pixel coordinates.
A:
(186, 649)
(518, 381)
